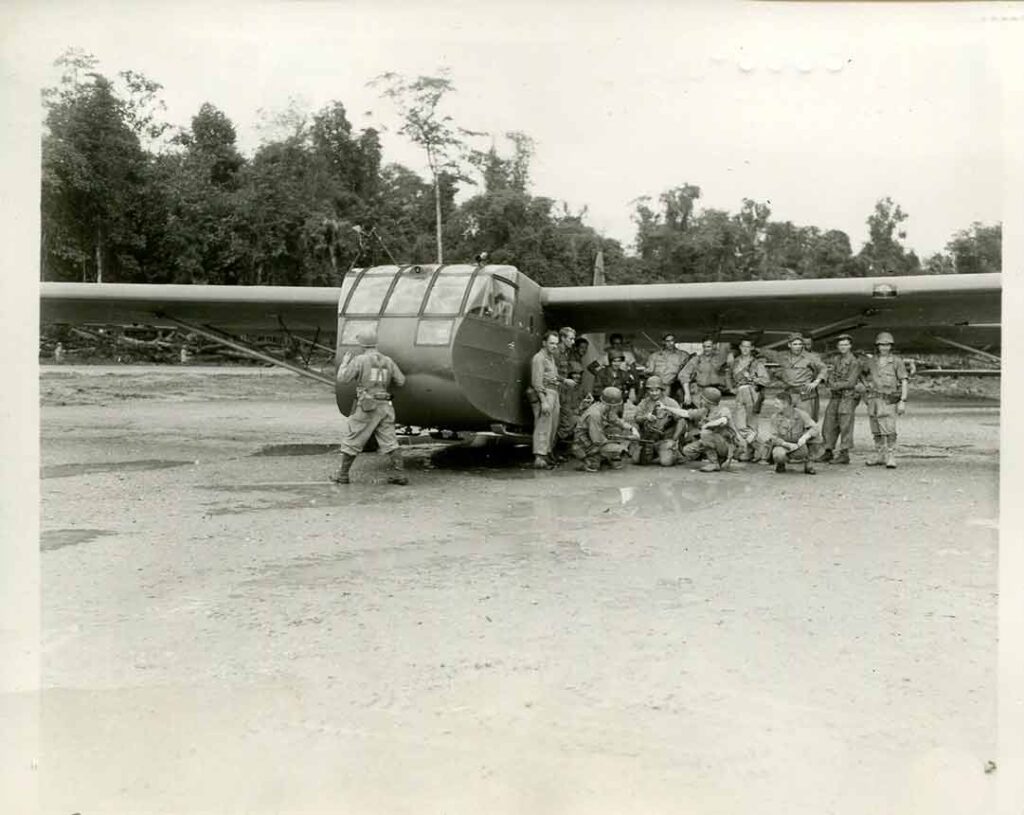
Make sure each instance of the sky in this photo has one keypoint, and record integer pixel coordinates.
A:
(820, 109)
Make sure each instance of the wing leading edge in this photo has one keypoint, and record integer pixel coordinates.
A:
(964, 307)
(233, 308)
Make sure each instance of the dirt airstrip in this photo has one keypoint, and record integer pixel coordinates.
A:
(226, 631)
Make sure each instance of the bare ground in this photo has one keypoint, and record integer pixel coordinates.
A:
(226, 631)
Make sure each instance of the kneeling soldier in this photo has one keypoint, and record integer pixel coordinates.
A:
(661, 422)
(601, 434)
(372, 415)
(718, 436)
(794, 436)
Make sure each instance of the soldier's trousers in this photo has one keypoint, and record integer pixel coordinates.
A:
(568, 411)
(808, 403)
(362, 424)
(810, 451)
(662, 452)
(545, 425)
(708, 443)
(881, 416)
(610, 451)
(744, 417)
(838, 422)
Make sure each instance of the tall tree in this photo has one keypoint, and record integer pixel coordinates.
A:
(93, 177)
(418, 101)
(978, 249)
(883, 254)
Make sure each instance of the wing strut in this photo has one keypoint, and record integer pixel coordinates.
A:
(238, 345)
(829, 330)
(976, 351)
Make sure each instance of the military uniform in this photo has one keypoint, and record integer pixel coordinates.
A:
(601, 435)
(610, 377)
(716, 443)
(659, 429)
(545, 383)
(837, 426)
(795, 372)
(569, 367)
(705, 370)
(372, 414)
(746, 377)
(666, 365)
(790, 426)
(884, 378)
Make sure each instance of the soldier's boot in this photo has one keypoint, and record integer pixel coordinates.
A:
(712, 465)
(591, 464)
(826, 456)
(341, 476)
(809, 468)
(842, 457)
(616, 462)
(779, 457)
(397, 469)
(890, 452)
(879, 458)
(541, 463)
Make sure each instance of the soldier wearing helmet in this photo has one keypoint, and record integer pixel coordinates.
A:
(372, 414)
(800, 372)
(617, 374)
(601, 433)
(837, 425)
(885, 380)
(718, 438)
(661, 422)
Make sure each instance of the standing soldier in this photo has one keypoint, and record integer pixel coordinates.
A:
(717, 434)
(667, 362)
(569, 393)
(601, 434)
(746, 376)
(800, 372)
(885, 377)
(703, 370)
(794, 436)
(837, 426)
(373, 414)
(543, 396)
(661, 422)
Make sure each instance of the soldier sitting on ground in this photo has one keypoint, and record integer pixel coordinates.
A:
(794, 436)
(718, 439)
(601, 434)
(661, 421)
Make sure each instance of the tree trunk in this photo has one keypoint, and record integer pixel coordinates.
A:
(437, 216)
(99, 254)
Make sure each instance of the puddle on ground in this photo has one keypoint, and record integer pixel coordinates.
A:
(693, 492)
(65, 470)
(296, 449)
(501, 460)
(307, 494)
(51, 539)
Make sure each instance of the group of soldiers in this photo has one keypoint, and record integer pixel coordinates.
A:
(670, 410)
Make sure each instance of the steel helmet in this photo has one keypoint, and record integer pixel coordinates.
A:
(367, 338)
(884, 337)
(713, 395)
(611, 396)
(654, 382)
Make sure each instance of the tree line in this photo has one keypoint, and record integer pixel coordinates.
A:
(128, 197)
